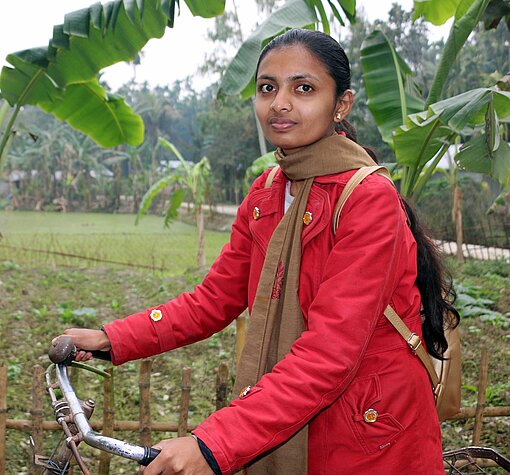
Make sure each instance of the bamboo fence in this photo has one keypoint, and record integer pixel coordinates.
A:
(36, 425)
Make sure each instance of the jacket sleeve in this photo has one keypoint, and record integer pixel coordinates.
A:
(192, 316)
(358, 281)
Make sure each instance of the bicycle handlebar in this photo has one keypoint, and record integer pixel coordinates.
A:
(62, 354)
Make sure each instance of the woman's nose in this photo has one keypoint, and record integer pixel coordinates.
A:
(281, 103)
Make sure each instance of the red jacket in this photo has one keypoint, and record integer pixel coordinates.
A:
(349, 359)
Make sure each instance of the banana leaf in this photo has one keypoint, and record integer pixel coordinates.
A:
(467, 16)
(436, 12)
(476, 157)
(427, 134)
(392, 94)
(89, 40)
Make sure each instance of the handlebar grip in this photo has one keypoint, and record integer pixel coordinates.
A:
(149, 455)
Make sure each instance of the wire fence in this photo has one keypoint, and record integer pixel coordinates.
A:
(158, 253)
(174, 253)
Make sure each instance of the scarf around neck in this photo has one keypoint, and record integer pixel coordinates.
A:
(276, 319)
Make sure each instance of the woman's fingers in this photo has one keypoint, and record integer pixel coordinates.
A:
(89, 340)
(180, 456)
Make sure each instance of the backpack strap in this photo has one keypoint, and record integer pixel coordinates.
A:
(355, 180)
(412, 339)
(414, 342)
(271, 175)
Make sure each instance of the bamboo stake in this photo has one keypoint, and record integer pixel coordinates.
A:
(108, 420)
(480, 405)
(221, 386)
(3, 416)
(145, 402)
(182, 430)
(36, 411)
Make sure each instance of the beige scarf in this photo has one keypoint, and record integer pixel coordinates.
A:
(276, 319)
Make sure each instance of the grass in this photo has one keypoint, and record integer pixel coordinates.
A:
(39, 302)
(87, 239)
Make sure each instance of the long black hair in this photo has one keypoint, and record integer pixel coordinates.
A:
(433, 282)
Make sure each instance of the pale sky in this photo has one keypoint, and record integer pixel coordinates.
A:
(29, 23)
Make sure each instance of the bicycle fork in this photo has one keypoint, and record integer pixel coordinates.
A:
(59, 462)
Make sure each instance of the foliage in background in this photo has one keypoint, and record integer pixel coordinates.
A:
(420, 129)
(62, 78)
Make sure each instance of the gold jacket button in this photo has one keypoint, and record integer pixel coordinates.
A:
(307, 218)
(256, 213)
(245, 391)
(370, 415)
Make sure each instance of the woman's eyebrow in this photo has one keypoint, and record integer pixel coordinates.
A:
(294, 77)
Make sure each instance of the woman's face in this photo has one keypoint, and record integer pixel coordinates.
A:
(296, 99)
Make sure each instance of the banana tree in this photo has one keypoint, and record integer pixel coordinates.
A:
(62, 78)
(196, 178)
(420, 130)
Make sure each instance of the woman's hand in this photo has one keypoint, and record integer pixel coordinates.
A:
(178, 456)
(87, 340)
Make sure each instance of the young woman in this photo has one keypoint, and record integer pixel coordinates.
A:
(327, 385)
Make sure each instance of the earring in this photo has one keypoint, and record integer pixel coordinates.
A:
(338, 116)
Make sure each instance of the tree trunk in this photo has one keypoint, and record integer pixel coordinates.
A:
(457, 219)
(201, 236)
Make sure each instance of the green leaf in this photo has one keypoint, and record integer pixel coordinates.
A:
(258, 167)
(465, 21)
(152, 192)
(492, 129)
(419, 140)
(436, 12)
(90, 39)
(475, 156)
(106, 117)
(172, 211)
(391, 91)
(427, 133)
(239, 75)
(27, 82)
(4, 108)
(349, 8)
(319, 7)
(170, 146)
(206, 8)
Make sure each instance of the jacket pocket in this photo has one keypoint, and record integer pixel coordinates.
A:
(373, 427)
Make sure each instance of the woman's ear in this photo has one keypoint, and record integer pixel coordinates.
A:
(344, 105)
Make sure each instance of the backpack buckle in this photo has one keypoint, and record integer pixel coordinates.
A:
(414, 342)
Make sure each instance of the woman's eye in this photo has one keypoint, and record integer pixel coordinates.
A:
(304, 88)
(266, 88)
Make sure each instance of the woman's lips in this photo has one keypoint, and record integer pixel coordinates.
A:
(280, 124)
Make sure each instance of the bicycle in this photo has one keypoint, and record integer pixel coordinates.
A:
(73, 416)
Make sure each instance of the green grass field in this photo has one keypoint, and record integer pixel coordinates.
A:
(92, 239)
